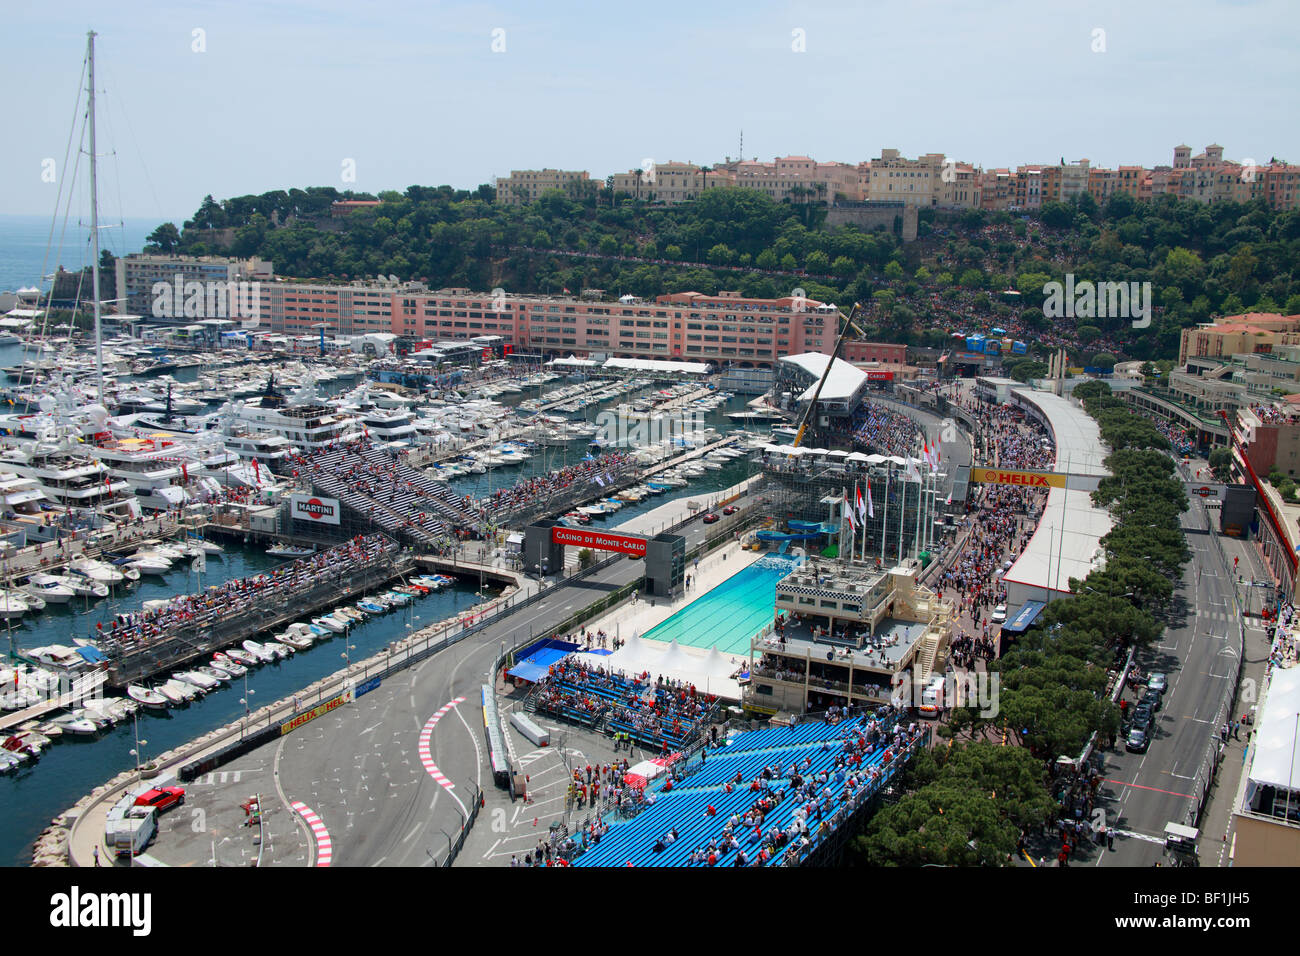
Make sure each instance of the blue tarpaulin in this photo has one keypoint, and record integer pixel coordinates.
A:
(1025, 617)
(92, 654)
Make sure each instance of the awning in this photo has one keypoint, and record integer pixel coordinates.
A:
(92, 654)
(1025, 617)
(530, 671)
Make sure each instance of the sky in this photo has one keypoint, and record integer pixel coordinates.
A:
(230, 98)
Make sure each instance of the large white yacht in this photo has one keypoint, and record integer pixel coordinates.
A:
(70, 478)
(307, 424)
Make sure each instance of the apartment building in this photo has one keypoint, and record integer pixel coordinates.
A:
(1238, 334)
(725, 328)
(525, 186)
(997, 189)
(1028, 184)
(138, 273)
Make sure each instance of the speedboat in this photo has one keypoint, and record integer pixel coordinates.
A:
(207, 547)
(410, 590)
(183, 690)
(148, 697)
(228, 664)
(349, 612)
(320, 630)
(371, 607)
(82, 586)
(242, 657)
(282, 549)
(96, 570)
(258, 651)
(72, 724)
(111, 709)
(20, 699)
(149, 564)
(34, 740)
(32, 601)
(9, 762)
(281, 651)
(202, 681)
(48, 588)
(217, 674)
(298, 640)
(12, 606)
(398, 598)
(333, 625)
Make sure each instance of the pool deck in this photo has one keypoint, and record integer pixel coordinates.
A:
(638, 618)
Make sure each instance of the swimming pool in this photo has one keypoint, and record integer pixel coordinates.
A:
(732, 612)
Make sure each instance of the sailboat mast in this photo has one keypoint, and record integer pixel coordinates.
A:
(94, 216)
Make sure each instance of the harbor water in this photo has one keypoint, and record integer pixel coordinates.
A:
(73, 766)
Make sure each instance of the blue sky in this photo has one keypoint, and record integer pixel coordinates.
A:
(413, 92)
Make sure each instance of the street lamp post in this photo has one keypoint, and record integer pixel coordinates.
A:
(139, 744)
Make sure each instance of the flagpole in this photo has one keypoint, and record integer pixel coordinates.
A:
(902, 513)
(854, 505)
(884, 523)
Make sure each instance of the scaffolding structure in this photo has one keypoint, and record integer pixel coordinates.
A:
(897, 526)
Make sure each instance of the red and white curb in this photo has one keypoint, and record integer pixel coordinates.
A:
(324, 848)
(426, 757)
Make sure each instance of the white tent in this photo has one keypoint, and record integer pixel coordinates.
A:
(1277, 735)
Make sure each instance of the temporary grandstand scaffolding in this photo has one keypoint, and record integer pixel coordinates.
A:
(812, 488)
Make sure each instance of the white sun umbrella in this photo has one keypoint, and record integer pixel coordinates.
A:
(819, 451)
(876, 459)
(795, 450)
(858, 456)
(895, 460)
(839, 453)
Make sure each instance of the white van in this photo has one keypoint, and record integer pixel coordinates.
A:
(127, 831)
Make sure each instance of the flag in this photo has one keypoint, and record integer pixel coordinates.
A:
(913, 474)
(861, 506)
(600, 481)
(937, 456)
(185, 473)
(925, 452)
(871, 505)
(848, 512)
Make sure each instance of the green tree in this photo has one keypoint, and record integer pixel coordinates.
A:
(166, 237)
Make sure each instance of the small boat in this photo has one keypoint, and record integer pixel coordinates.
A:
(224, 662)
(258, 651)
(216, 674)
(207, 547)
(49, 588)
(398, 598)
(299, 641)
(20, 699)
(72, 724)
(371, 607)
(333, 625)
(96, 570)
(31, 600)
(409, 590)
(183, 689)
(111, 709)
(351, 612)
(281, 651)
(9, 762)
(321, 630)
(149, 565)
(82, 586)
(147, 697)
(202, 681)
(433, 584)
(12, 606)
(242, 658)
(283, 549)
(33, 740)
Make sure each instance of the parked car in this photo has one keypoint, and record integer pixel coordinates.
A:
(161, 798)
(1143, 715)
(730, 510)
(710, 518)
(1152, 698)
(999, 614)
(1138, 740)
(1157, 682)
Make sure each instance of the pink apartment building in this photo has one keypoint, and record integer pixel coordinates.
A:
(688, 325)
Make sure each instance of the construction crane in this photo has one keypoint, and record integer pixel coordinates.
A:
(848, 324)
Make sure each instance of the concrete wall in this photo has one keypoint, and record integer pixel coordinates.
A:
(868, 216)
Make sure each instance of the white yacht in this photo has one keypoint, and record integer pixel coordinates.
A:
(71, 479)
(48, 588)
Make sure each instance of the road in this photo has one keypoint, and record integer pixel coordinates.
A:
(391, 776)
(1198, 651)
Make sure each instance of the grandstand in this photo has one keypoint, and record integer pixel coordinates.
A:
(404, 501)
(797, 785)
(656, 714)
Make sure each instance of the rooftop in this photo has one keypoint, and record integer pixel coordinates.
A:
(841, 385)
